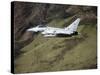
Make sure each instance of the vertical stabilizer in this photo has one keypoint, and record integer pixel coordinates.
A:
(73, 27)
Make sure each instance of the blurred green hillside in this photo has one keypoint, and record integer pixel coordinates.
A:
(35, 53)
(65, 53)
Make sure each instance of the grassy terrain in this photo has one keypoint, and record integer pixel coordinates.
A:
(65, 53)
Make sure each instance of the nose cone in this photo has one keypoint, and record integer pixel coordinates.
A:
(32, 29)
(29, 29)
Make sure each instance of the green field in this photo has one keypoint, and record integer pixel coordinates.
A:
(60, 53)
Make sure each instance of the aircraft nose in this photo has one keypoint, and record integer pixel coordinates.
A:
(28, 29)
(32, 29)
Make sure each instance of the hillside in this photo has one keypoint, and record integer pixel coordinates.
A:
(54, 54)
(34, 53)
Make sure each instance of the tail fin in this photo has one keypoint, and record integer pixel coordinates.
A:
(73, 27)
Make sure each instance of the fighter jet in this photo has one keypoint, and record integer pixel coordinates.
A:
(52, 31)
